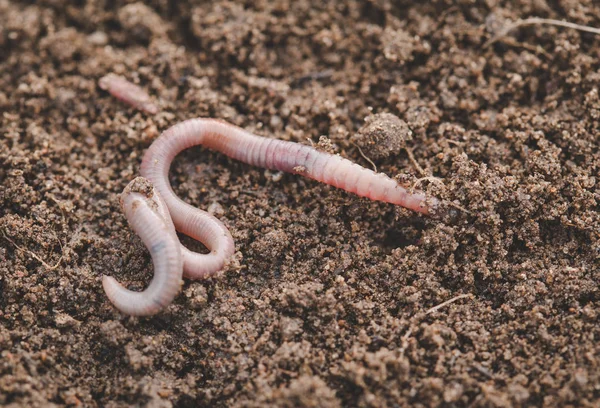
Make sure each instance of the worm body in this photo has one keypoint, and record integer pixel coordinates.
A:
(259, 151)
(277, 155)
(149, 217)
(128, 92)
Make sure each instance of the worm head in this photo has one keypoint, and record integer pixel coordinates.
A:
(139, 188)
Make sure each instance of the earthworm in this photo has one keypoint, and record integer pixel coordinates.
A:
(127, 92)
(259, 151)
(149, 217)
(251, 149)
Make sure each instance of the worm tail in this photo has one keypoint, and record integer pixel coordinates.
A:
(146, 214)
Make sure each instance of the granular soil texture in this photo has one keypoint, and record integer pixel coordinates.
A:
(331, 300)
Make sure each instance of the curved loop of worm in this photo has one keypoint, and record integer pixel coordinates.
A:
(149, 217)
(188, 219)
(259, 151)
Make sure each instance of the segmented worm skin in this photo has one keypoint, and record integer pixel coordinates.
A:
(127, 92)
(149, 218)
(259, 151)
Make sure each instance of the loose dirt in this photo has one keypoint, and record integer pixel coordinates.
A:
(326, 304)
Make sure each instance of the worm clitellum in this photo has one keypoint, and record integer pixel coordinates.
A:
(255, 150)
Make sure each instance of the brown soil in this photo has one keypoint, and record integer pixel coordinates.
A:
(327, 303)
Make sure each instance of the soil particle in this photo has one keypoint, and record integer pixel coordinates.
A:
(326, 301)
(140, 22)
(382, 135)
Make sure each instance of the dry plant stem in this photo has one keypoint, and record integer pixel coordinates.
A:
(149, 217)
(128, 92)
(538, 20)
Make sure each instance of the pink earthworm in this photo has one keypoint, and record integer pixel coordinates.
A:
(255, 150)
(259, 151)
(128, 92)
(149, 217)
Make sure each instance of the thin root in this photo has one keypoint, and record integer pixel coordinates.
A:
(447, 302)
(416, 317)
(538, 20)
(533, 48)
(411, 157)
(365, 157)
(459, 207)
(34, 255)
(430, 178)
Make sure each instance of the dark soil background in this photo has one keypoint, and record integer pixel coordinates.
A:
(326, 304)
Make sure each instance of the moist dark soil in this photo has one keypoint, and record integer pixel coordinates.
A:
(330, 301)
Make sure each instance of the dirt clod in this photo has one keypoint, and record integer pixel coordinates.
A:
(382, 135)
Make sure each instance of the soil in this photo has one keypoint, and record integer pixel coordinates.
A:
(329, 302)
